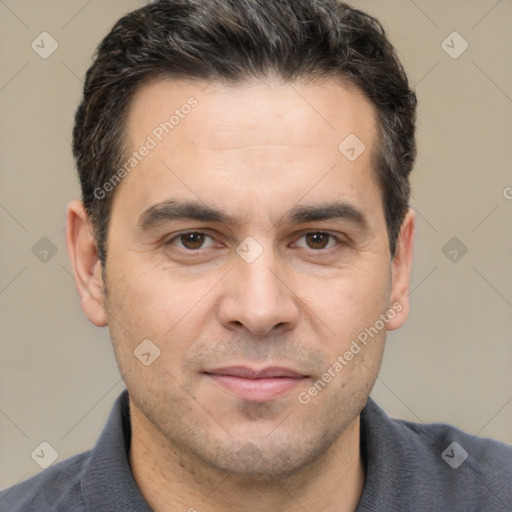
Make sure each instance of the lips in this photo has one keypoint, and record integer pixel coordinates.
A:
(256, 385)
(250, 373)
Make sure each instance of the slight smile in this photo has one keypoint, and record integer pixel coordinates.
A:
(256, 385)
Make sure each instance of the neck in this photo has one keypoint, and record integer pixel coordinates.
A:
(169, 478)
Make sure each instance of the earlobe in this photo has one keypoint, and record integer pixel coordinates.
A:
(83, 253)
(401, 271)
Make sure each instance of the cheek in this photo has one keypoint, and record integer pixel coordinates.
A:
(141, 297)
(353, 301)
(153, 304)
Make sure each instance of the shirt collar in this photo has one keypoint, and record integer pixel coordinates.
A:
(389, 459)
(108, 482)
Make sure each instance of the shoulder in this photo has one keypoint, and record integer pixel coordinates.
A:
(456, 448)
(57, 488)
(438, 463)
(475, 469)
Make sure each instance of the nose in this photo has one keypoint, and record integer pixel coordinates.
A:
(259, 297)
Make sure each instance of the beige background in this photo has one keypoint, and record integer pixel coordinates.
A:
(451, 362)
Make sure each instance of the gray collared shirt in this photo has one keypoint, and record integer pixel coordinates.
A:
(409, 467)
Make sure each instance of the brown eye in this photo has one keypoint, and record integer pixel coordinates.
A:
(192, 241)
(317, 240)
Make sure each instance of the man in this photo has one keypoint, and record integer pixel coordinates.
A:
(244, 232)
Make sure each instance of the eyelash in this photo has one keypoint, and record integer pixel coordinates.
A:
(198, 251)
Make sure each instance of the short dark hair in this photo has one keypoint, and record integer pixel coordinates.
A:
(233, 41)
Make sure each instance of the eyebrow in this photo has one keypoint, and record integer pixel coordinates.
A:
(173, 210)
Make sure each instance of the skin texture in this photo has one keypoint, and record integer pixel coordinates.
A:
(254, 150)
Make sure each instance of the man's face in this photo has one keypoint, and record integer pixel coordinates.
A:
(275, 282)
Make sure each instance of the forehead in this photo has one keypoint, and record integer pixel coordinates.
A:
(246, 114)
(249, 143)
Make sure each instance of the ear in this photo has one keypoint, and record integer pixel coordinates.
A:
(83, 253)
(400, 273)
